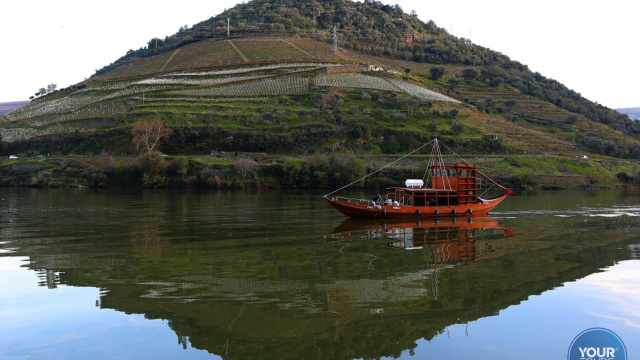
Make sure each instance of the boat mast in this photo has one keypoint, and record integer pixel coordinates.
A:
(438, 163)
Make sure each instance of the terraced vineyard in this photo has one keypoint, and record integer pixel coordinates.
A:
(273, 87)
(421, 93)
(296, 84)
(249, 83)
(356, 82)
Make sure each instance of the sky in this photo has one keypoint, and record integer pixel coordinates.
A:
(589, 46)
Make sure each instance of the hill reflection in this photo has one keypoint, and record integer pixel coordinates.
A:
(298, 289)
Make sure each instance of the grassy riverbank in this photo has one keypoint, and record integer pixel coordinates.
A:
(310, 172)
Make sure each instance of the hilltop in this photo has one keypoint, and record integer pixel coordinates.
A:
(275, 88)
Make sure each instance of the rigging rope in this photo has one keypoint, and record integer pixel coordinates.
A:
(386, 166)
(456, 154)
(490, 187)
(442, 166)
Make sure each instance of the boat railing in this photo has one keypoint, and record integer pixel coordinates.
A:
(354, 200)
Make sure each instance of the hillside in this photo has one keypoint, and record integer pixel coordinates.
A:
(276, 87)
(633, 113)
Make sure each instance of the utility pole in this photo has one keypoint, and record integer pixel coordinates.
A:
(334, 39)
(228, 27)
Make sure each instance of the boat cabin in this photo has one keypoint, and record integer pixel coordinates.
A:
(450, 185)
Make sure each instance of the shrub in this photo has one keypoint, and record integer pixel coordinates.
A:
(456, 127)
(178, 167)
(245, 167)
(469, 73)
(495, 82)
(437, 72)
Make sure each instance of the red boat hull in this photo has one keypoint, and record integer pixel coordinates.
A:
(367, 210)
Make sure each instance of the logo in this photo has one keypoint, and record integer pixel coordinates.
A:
(597, 344)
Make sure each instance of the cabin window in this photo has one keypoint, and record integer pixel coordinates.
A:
(418, 199)
(462, 173)
(452, 172)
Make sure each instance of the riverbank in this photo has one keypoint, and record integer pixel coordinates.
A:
(257, 170)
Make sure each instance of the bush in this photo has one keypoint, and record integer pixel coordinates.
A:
(623, 177)
(495, 82)
(321, 171)
(437, 72)
(246, 167)
(457, 127)
(469, 73)
(178, 167)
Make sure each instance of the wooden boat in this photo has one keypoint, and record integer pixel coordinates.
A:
(452, 191)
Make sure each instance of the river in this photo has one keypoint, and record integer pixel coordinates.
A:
(185, 274)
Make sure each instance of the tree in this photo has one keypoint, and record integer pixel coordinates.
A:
(496, 81)
(407, 55)
(411, 103)
(437, 72)
(469, 73)
(51, 88)
(456, 127)
(245, 167)
(148, 135)
(510, 103)
(454, 81)
(155, 42)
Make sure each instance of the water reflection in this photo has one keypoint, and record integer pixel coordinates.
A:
(246, 275)
(441, 242)
(449, 240)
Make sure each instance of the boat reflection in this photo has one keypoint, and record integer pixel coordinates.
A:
(448, 240)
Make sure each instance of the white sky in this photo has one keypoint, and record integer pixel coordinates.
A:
(589, 46)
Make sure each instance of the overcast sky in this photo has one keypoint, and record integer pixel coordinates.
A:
(590, 46)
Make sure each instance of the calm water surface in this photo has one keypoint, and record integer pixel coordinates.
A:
(135, 274)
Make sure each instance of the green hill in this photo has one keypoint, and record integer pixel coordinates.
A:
(275, 86)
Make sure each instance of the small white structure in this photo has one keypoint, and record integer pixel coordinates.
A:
(12, 157)
(414, 183)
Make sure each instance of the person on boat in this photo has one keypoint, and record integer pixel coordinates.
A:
(396, 203)
(388, 201)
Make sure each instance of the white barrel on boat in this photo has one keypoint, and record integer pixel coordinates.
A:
(414, 183)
